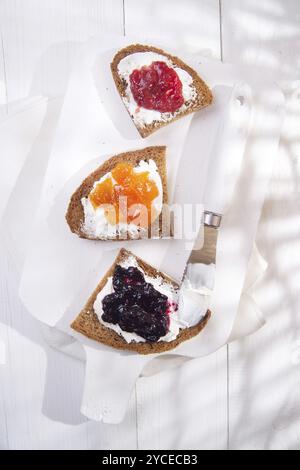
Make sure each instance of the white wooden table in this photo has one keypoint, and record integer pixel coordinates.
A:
(245, 395)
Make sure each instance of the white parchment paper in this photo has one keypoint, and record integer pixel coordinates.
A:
(18, 132)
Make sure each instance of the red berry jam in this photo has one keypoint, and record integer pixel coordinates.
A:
(157, 87)
(136, 306)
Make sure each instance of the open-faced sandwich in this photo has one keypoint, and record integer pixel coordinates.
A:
(122, 199)
(156, 87)
(137, 308)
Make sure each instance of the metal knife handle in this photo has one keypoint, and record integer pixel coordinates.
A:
(211, 219)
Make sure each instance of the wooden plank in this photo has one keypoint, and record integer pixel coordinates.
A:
(262, 33)
(3, 365)
(264, 373)
(40, 389)
(194, 24)
(3, 329)
(40, 39)
(3, 100)
(183, 407)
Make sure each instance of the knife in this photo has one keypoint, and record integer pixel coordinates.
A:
(227, 154)
(224, 166)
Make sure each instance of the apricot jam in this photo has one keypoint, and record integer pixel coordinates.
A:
(127, 196)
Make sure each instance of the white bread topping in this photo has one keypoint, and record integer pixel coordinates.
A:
(196, 291)
(192, 301)
(141, 116)
(95, 223)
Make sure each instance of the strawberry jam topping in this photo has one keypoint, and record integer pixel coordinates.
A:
(128, 196)
(136, 306)
(157, 87)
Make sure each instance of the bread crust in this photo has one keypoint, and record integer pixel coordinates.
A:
(204, 95)
(87, 322)
(75, 212)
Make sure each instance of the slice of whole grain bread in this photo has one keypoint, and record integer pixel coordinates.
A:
(75, 212)
(88, 324)
(203, 97)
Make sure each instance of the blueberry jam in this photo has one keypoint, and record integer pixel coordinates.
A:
(136, 306)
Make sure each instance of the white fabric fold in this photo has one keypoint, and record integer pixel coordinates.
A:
(250, 318)
(30, 130)
(18, 131)
(109, 381)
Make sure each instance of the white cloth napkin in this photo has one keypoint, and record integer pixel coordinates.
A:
(107, 389)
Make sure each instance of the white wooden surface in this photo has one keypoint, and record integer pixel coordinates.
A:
(264, 372)
(245, 395)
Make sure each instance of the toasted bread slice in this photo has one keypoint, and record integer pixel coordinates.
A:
(75, 214)
(202, 97)
(89, 325)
